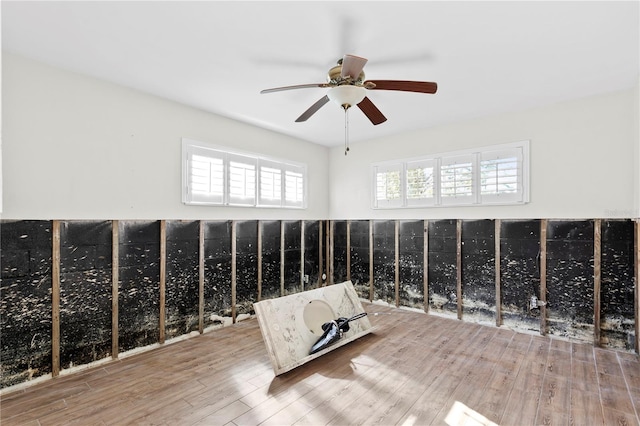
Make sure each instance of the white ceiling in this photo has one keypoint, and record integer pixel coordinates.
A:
(487, 57)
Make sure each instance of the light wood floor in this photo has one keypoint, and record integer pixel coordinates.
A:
(412, 371)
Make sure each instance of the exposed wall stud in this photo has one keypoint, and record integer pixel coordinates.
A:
(543, 276)
(459, 266)
(115, 278)
(597, 275)
(320, 252)
(332, 228)
(163, 278)
(233, 271)
(201, 277)
(637, 284)
(302, 271)
(55, 300)
(370, 260)
(425, 273)
(282, 258)
(259, 260)
(396, 261)
(496, 237)
(348, 254)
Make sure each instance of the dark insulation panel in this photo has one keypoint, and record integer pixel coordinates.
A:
(139, 293)
(384, 261)
(478, 270)
(271, 259)
(311, 253)
(292, 256)
(25, 300)
(617, 284)
(411, 240)
(217, 272)
(339, 251)
(442, 265)
(246, 266)
(85, 292)
(182, 280)
(360, 257)
(570, 278)
(520, 272)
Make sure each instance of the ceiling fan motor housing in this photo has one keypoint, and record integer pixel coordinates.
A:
(335, 75)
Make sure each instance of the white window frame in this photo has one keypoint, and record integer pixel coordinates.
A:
(502, 197)
(250, 195)
(432, 163)
(457, 162)
(518, 150)
(383, 169)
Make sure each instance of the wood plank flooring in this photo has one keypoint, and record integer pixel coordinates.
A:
(416, 369)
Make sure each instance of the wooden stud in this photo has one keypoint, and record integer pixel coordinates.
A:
(302, 255)
(396, 278)
(370, 260)
(597, 276)
(320, 252)
(201, 278)
(459, 266)
(55, 299)
(637, 286)
(425, 266)
(348, 254)
(233, 271)
(163, 277)
(259, 260)
(496, 238)
(332, 248)
(282, 258)
(543, 276)
(115, 278)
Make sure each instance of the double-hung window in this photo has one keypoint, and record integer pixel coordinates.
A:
(214, 175)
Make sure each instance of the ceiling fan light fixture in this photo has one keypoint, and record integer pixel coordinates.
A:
(346, 96)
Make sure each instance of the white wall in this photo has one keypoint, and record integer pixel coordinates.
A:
(75, 147)
(583, 156)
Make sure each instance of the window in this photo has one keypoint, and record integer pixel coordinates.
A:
(492, 175)
(421, 182)
(501, 176)
(219, 176)
(388, 186)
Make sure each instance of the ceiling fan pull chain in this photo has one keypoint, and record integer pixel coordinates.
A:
(346, 131)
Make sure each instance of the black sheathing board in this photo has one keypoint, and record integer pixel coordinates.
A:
(311, 253)
(570, 278)
(360, 257)
(139, 284)
(520, 272)
(442, 267)
(384, 261)
(292, 256)
(478, 269)
(182, 280)
(339, 251)
(246, 266)
(85, 291)
(411, 256)
(25, 300)
(85, 266)
(271, 259)
(617, 284)
(217, 272)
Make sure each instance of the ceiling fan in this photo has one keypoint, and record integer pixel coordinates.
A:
(348, 87)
